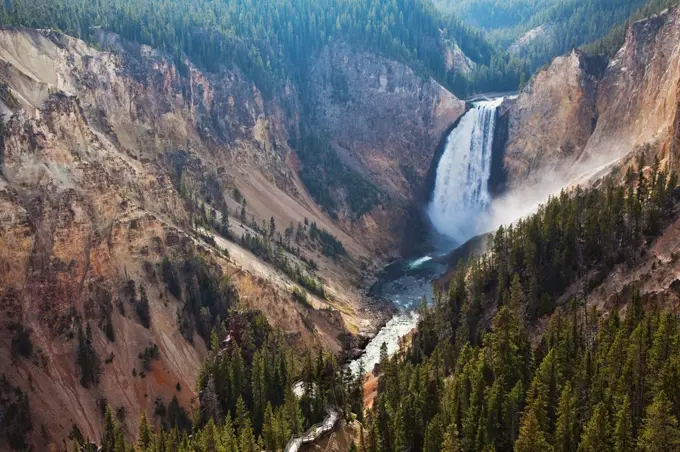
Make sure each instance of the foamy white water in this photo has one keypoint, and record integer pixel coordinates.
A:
(398, 326)
(420, 261)
(461, 193)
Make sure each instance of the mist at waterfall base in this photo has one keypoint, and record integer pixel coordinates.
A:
(459, 203)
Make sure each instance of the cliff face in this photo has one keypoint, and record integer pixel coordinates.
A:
(638, 101)
(106, 158)
(570, 125)
(362, 102)
(550, 121)
(570, 121)
(384, 121)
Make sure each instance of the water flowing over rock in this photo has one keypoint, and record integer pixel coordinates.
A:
(461, 187)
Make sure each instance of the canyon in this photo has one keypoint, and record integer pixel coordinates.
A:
(111, 152)
(109, 157)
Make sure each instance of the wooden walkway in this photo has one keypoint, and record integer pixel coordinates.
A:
(315, 432)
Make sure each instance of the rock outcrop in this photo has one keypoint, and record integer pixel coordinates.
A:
(638, 98)
(551, 120)
(542, 34)
(384, 121)
(576, 119)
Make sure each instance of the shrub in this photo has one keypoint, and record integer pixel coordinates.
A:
(142, 308)
(21, 342)
(87, 359)
(171, 279)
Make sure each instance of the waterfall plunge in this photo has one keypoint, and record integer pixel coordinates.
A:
(461, 196)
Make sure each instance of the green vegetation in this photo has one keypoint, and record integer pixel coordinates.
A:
(571, 23)
(16, 416)
(21, 341)
(87, 360)
(300, 296)
(274, 253)
(593, 382)
(246, 397)
(609, 44)
(142, 308)
(169, 274)
(205, 296)
(325, 175)
(270, 41)
(150, 354)
(330, 245)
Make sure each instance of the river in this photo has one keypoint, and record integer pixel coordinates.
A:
(457, 210)
(404, 283)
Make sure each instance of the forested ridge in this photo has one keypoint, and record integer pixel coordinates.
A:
(273, 41)
(610, 43)
(591, 380)
(597, 24)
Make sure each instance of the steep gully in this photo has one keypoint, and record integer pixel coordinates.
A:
(456, 210)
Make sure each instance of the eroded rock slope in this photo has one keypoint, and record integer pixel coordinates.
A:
(112, 160)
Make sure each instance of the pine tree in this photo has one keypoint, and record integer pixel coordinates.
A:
(144, 435)
(109, 436)
(362, 438)
(228, 436)
(210, 404)
(516, 293)
(451, 443)
(660, 431)
(120, 440)
(269, 430)
(596, 434)
(512, 409)
(565, 440)
(142, 308)
(209, 437)
(434, 435)
(246, 437)
(531, 437)
(259, 390)
(374, 439)
(623, 432)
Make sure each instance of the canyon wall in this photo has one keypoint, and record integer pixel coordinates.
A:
(109, 158)
(576, 118)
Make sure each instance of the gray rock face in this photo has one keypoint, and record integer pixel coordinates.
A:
(384, 120)
(542, 33)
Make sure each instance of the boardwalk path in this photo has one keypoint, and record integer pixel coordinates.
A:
(315, 431)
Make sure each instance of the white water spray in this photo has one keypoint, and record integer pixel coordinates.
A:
(461, 194)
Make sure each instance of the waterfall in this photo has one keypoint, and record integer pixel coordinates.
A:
(460, 194)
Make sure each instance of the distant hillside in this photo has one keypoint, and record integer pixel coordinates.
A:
(543, 29)
(272, 41)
